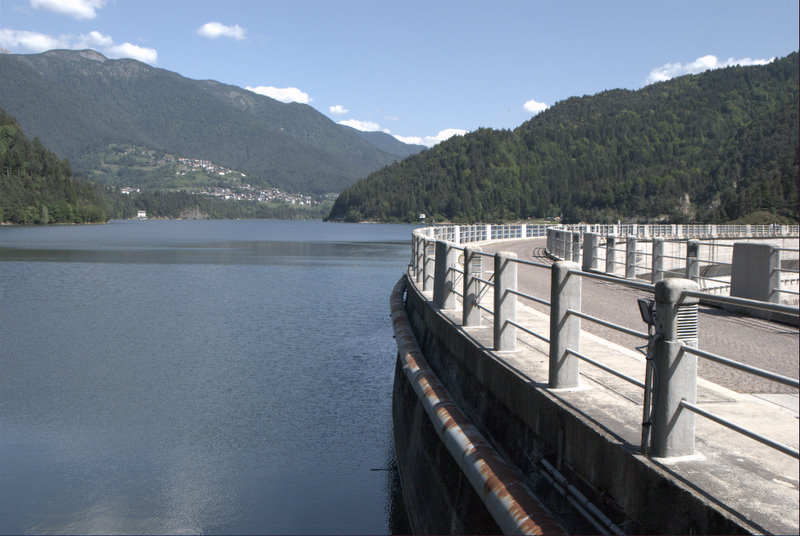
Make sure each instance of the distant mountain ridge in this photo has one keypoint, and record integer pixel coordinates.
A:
(712, 147)
(80, 102)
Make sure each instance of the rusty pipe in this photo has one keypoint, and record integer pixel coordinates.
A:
(500, 485)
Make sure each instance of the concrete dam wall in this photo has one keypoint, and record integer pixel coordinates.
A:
(522, 458)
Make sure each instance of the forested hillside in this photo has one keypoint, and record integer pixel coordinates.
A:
(711, 147)
(80, 103)
(37, 187)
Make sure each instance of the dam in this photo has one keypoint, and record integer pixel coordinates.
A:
(540, 390)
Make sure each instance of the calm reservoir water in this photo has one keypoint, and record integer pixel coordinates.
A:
(198, 377)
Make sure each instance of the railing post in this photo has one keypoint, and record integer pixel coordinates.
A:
(591, 242)
(576, 246)
(565, 329)
(566, 245)
(427, 266)
(630, 257)
(611, 254)
(675, 377)
(444, 296)
(658, 260)
(505, 303)
(692, 264)
(472, 267)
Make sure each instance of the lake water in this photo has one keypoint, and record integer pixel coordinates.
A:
(198, 377)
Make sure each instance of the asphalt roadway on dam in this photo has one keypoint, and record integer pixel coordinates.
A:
(768, 345)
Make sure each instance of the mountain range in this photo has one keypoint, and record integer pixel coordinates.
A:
(80, 103)
(712, 147)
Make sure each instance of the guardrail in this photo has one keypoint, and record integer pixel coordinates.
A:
(667, 429)
(767, 271)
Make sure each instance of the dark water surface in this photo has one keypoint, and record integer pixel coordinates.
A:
(198, 377)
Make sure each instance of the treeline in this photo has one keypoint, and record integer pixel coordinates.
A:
(37, 187)
(174, 205)
(712, 147)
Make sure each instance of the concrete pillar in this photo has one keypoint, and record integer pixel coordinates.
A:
(566, 245)
(456, 234)
(472, 268)
(755, 271)
(630, 257)
(565, 329)
(675, 377)
(550, 240)
(658, 260)
(505, 303)
(692, 264)
(576, 246)
(444, 296)
(611, 254)
(427, 266)
(591, 246)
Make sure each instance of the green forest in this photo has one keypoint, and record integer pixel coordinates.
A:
(37, 187)
(714, 147)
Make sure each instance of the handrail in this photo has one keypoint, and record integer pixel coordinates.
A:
(744, 431)
(567, 241)
(791, 382)
(765, 306)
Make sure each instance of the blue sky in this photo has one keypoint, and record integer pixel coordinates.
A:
(419, 70)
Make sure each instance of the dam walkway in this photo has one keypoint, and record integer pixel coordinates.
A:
(742, 479)
(728, 469)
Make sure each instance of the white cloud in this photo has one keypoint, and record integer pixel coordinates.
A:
(535, 107)
(128, 50)
(430, 141)
(283, 94)
(78, 9)
(671, 70)
(366, 126)
(38, 42)
(338, 109)
(213, 30)
(94, 40)
(30, 41)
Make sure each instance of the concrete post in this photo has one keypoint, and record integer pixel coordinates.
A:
(755, 271)
(565, 329)
(576, 246)
(505, 303)
(456, 234)
(420, 258)
(611, 255)
(630, 257)
(566, 245)
(692, 264)
(591, 243)
(444, 296)
(658, 260)
(472, 268)
(427, 266)
(675, 376)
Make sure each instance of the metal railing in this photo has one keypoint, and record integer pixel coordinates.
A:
(710, 264)
(673, 336)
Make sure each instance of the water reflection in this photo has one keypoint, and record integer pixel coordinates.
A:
(181, 384)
